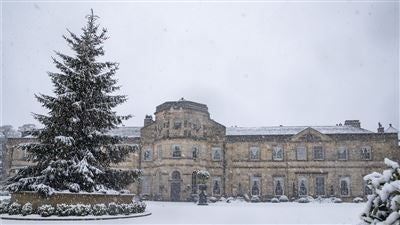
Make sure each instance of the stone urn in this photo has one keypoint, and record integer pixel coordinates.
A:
(203, 176)
(202, 195)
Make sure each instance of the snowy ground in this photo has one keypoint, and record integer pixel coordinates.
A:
(237, 212)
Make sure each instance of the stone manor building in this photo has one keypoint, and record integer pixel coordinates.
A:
(258, 161)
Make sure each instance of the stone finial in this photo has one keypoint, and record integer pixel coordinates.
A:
(380, 128)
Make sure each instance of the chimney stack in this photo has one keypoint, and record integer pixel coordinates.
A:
(380, 128)
(353, 123)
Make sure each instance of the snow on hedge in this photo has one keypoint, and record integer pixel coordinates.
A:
(383, 206)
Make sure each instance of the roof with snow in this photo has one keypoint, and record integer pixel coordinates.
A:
(129, 132)
(184, 104)
(391, 129)
(292, 130)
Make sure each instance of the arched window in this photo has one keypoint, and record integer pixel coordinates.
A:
(216, 186)
(176, 175)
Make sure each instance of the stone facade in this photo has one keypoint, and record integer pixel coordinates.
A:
(264, 161)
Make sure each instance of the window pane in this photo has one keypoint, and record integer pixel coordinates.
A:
(216, 186)
(342, 153)
(301, 153)
(176, 151)
(303, 186)
(255, 186)
(320, 186)
(277, 153)
(345, 186)
(279, 186)
(318, 153)
(254, 153)
(216, 153)
(366, 153)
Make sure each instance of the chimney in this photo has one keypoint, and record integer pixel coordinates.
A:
(380, 128)
(148, 120)
(353, 123)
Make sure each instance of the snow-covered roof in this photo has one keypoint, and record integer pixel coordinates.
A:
(391, 129)
(291, 130)
(126, 132)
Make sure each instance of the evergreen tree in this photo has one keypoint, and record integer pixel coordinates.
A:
(383, 206)
(75, 152)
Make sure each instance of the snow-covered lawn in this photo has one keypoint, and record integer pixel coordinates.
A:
(236, 212)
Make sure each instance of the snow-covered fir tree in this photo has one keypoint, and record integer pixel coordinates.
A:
(75, 152)
(383, 206)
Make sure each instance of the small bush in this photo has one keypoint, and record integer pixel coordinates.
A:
(82, 210)
(14, 209)
(4, 207)
(46, 210)
(275, 200)
(140, 207)
(358, 200)
(64, 210)
(337, 200)
(113, 209)
(255, 198)
(27, 209)
(283, 198)
(303, 200)
(99, 209)
(213, 199)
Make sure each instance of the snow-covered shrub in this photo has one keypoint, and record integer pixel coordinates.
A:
(4, 207)
(222, 199)
(383, 206)
(64, 210)
(202, 175)
(310, 198)
(283, 198)
(213, 199)
(46, 210)
(140, 207)
(99, 209)
(14, 209)
(337, 200)
(113, 208)
(82, 210)
(358, 200)
(246, 197)
(255, 198)
(74, 187)
(124, 209)
(303, 200)
(230, 199)
(27, 209)
(275, 200)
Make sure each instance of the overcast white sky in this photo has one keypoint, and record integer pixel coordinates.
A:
(253, 64)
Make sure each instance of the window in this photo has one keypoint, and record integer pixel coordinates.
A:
(195, 152)
(345, 186)
(318, 153)
(342, 153)
(303, 186)
(147, 155)
(216, 153)
(177, 124)
(367, 189)
(146, 184)
(319, 186)
(255, 186)
(366, 153)
(279, 186)
(176, 151)
(160, 152)
(277, 153)
(194, 182)
(301, 153)
(216, 186)
(254, 153)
